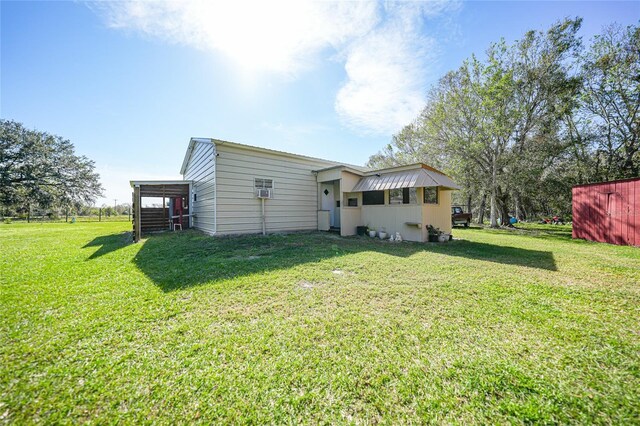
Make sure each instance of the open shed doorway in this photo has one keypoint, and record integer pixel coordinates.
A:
(160, 206)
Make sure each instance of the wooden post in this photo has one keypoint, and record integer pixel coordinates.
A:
(137, 218)
(164, 210)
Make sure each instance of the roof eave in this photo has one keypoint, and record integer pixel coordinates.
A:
(187, 155)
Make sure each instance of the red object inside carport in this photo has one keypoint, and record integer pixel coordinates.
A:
(608, 212)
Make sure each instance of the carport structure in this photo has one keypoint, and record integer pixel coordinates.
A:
(172, 214)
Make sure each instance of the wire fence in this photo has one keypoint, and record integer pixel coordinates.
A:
(74, 218)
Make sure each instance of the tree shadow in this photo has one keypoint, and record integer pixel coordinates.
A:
(546, 231)
(108, 244)
(505, 255)
(184, 259)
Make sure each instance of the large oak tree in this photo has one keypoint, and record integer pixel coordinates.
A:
(38, 169)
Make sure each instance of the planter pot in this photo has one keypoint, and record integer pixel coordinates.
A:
(433, 238)
(372, 234)
(443, 238)
(382, 235)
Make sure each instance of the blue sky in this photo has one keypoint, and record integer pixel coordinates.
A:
(129, 83)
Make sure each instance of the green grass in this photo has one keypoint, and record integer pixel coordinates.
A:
(522, 326)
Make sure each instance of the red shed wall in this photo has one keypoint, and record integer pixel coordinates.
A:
(608, 212)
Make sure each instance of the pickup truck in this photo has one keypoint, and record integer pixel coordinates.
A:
(459, 217)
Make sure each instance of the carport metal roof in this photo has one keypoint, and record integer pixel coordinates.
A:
(162, 188)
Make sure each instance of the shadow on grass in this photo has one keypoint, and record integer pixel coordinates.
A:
(108, 244)
(559, 232)
(506, 255)
(180, 260)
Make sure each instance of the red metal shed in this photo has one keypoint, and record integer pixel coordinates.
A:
(608, 212)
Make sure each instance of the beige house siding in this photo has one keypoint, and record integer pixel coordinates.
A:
(410, 220)
(351, 217)
(394, 218)
(200, 169)
(295, 191)
(438, 215)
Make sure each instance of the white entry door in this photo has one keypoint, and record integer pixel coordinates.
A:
(328, 201)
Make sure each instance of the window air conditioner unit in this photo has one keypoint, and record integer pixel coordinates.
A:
(264, 193)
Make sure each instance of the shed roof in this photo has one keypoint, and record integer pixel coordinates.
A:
(162, 188)
(412, 178)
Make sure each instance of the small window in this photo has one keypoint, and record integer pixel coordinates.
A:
(352, 202)
(410, 196)
(403, 196)
(456, 210)
(260, 183)
(431, 195)
(372, 198)
(337, 203)
(395, 196)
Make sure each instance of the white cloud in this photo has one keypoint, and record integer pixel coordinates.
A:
(385, 52)
(281, 36)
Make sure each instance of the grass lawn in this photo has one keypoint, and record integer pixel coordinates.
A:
(500, 327)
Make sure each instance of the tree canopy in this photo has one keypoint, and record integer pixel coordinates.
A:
(38, 169)
(521, 125)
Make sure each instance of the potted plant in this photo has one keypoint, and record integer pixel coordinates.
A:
(434, 233)
(382, 234)
(372, 232)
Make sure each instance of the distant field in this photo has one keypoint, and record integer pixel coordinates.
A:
(523, 326)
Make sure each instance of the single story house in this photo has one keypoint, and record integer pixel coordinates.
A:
(230, 188)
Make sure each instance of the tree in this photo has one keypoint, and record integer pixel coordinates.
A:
(496, 121)
(40, 169)
(610, 101)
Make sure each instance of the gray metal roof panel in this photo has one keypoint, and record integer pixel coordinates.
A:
(413, 178)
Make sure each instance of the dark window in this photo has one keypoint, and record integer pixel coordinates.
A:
(352, 202)
(431, 195)
(372, 198)
(403, 196)
(337, 203)
(263, 183)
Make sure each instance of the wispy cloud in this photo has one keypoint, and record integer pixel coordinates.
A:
(383, 46)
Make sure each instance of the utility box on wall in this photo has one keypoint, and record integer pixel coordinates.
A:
(608, 212)
(324, 220)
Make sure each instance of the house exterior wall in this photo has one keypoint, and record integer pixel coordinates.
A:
(351, 217)
(410, 220)
(438, 215)
(294, 206)
(608, 212)
(200, 169)
(394, 218)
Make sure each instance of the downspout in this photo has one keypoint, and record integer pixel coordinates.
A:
(264, 219)
(318, 199)
(215, 188)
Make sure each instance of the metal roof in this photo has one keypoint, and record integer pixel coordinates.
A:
(159, 182)
(413, 178)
